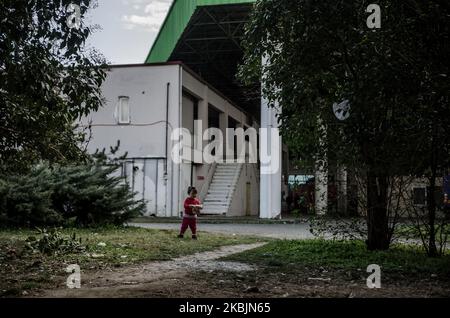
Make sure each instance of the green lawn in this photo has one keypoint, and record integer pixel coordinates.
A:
(410, 231)
(22, 270)
(345, 255)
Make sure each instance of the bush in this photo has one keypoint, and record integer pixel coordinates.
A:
(82, 195)
(25, 200)
(54, 242)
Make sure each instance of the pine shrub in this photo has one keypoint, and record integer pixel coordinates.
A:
(81, 195)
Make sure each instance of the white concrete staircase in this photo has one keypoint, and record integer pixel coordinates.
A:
(222, 188)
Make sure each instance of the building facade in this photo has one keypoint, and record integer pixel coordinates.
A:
(144, 106)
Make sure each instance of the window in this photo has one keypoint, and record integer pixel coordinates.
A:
(123, 116)
(419, 196)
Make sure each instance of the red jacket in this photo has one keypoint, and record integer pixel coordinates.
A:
(187, 209)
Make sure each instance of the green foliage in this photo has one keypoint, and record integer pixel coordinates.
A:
(26, 199)
(53, 242)
(409, 260)
(48, 79)
(86, 195)
(415, 231)
(396, 79)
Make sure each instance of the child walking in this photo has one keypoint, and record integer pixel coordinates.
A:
(192, 207)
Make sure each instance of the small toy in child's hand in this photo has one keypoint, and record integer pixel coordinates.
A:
(196, 208)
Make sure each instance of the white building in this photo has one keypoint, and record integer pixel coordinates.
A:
(146, 103)
(139, 99)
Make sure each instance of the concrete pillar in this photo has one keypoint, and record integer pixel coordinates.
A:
(199, 143)
(270, 180)
(270, 157)
(203, 110)
(241, 150)
(223, 127)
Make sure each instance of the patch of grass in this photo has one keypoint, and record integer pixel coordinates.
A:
(105, 247)
(345, 255)
(411, 231)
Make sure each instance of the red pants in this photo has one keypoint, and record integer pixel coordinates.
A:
(191, 223)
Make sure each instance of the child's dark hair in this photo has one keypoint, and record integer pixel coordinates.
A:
(190, 189)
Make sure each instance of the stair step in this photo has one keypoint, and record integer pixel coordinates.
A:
(231, 171)
(224, 188)
(221, 196)
(214, 213)
(219, 200)
(231, 176)
(215, 205)
(218, 210)
(215, 201)
(225, 166)
(223, 181)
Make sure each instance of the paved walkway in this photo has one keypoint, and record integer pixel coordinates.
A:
(280, 231)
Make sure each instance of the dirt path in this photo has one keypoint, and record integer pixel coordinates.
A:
(150, 279)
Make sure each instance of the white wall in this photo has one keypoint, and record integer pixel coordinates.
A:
(249, 175)
(146, 87)
(144, 137)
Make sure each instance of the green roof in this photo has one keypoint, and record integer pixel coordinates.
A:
(175, 23)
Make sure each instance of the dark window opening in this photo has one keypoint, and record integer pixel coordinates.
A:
(419, 196)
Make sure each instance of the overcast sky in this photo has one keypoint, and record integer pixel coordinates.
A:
(129, 28)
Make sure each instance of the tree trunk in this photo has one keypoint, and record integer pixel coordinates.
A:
(431, 204)
(432, 249)
(377, 220)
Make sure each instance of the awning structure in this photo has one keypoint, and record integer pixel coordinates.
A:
(206, 36)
